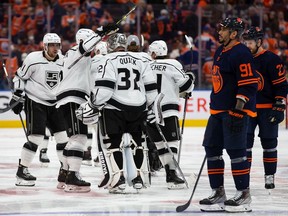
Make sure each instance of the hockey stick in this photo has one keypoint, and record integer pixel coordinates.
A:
(186, 100)
(117, 23)
(182, 208)
(170, 151)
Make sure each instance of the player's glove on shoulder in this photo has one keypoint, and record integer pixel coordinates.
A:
(109, 29)
(18, 98)
(276, 115)
(236, 120)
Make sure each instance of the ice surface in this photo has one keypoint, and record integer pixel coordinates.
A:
(45, 199)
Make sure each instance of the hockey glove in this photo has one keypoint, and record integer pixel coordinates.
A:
(87, 114)
(109, 29)
(276, 115)
(191, 76)
(18, 98)
(236, 120)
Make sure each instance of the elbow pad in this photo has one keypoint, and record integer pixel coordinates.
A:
(89, 44)
(19, 84)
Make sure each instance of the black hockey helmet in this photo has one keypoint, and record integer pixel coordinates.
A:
(234, 24)
(253, 33)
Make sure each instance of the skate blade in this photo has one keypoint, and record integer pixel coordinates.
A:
(77, 189)
(240, 208)
(212, 208)
(61, 185)
(172, 186)
(24, 183)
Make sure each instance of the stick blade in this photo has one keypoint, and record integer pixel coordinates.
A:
(182, 208)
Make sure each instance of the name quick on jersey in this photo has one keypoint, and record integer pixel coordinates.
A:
(127, 60)
(159, 67)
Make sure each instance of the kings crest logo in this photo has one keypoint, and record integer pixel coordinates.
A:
(52, 78)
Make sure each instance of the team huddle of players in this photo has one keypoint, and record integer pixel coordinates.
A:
(128, 96)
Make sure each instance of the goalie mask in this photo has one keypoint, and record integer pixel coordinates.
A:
(82, 34)
(115, 41)
(159, 47)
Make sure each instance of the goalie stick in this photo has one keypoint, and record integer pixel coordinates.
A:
(117, 23)
(182, 208)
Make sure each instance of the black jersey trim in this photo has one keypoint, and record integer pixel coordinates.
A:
(150, 87)
(170, 107)
(124, 107)
(186, 85)
(72, 93)
(105, 83)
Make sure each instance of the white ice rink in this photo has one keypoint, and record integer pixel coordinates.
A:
(45, 199)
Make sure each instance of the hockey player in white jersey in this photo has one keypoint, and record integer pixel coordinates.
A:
(99, 51)
(38, 78)
(71, 93)
(125, 86)
(171, 80)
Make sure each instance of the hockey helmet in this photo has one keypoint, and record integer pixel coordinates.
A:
(115, 41)
(234, 24)
(253, 33)
(102, 47)
(133, 43)
(50, 38)
(159, 47)
(82, 34)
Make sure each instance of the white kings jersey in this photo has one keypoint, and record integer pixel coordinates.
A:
(41, 77)
(124, 82)
(94, 69)
(75, 85)
(171, 79)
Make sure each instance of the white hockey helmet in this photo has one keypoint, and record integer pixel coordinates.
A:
(115, 41)
(83, 34)
(101, 47)
(50, 38)
(159, 47)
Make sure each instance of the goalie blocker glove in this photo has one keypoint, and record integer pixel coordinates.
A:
(87, 113)
(109, 29)
(17, 97)
(236, 120)
(276, 115)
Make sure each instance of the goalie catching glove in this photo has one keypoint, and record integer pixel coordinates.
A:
(87, 113)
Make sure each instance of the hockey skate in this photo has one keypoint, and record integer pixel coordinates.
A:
(119, 187)
(24, 178)
(269, 182)
(239, 203)
(173, 181)
(215, 202)
(74, 183)
(62, 178)
(43, 157)
(137, 183)
(87, 158)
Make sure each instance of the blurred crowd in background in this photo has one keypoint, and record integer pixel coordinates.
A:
(23, 23)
